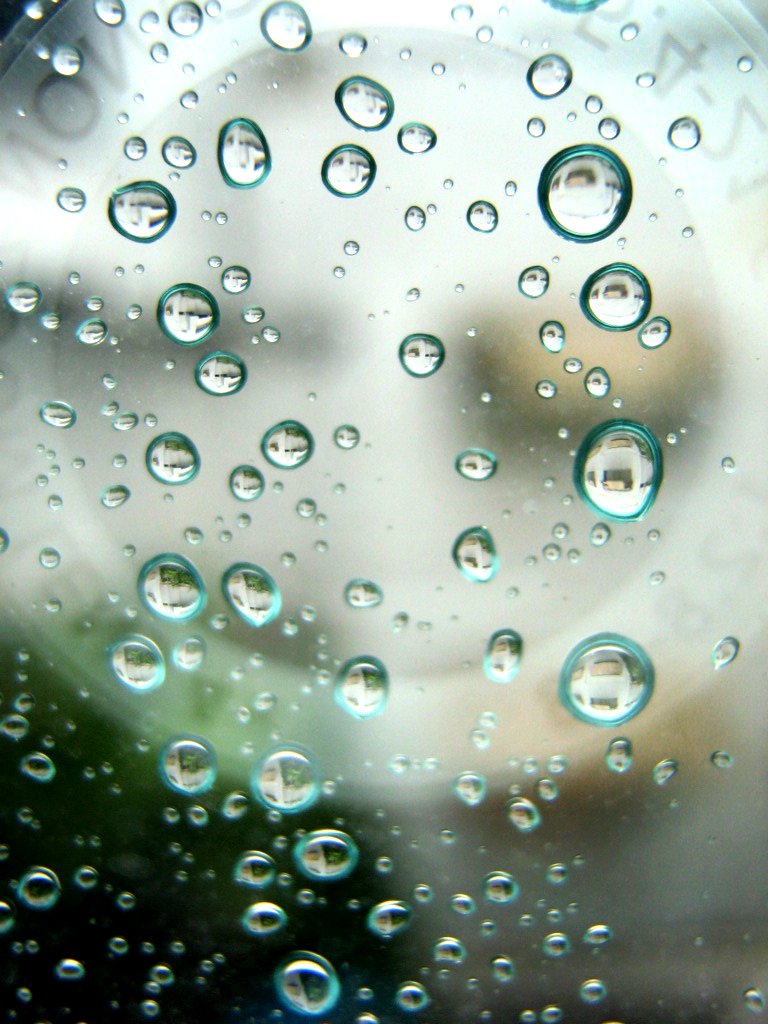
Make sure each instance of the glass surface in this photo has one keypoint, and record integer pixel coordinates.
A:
(382, 531)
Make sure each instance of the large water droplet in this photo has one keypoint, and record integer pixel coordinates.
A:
(348, 171)
(221, 373)
(254, 869)
(725, 651)
(172, 459)
(252, 593)
(549, 76)
(585, 192)
(286, 779)
(416, 138)
(246, 483)
(172, 588)
(421, 355)
(307, 984)
(137, 663)
(188, 314)
(616, 297)
(244, 158)
(362, 686)
(618, 756)
(475, 554)
(684, 133)
(502, 656)
(361, 593)
(142, 211)
(264, 918)
(470, 788)
(111, 12)
(365, 103)
(618, 470)
(482, 216)
(286, 26)
(476, 464)
(606, 680)
(287, 445)
(326, 855)
(500, 887)
(23, 297)
(523, 814)
(39, 888)
(185, 18)
(188, 765)
(58, 414)
(389, 918)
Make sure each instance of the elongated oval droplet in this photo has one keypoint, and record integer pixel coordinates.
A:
(142, 211)
(664, 771)
(616, 297)
(475, 554)
(307, 984)
(348, 171)
(503, 655)
(618, 470)
(361, 593)
(476, 464)
(115, 496)
(188, 314)
(365, 103)
(326, 855)
(618, 756)
(172, 459)
(254, 869)
(389, 918)
(23, 297)
(137, 663)
(91, 332)
(362, 687)
(287, 779)
(188, 765)
(58, 414)
(244, 157)
(252, 593)
(725, 651)
(264, 918)
(523, 814)
(421, 355)
(221, 373)
(606, 680)
(286, 26)
(470, 788)
(287, 445)
(585, 193)
(172, 588)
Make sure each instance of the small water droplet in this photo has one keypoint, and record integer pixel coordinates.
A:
(549, 76)
(416, 137)
(500, 887)
(470, 788)
(546, 389)
(185, 19)
(264, 918)
(646, 80)
(189, 654)
(725, 651)
(664, 771)
(58, 414)
(38, 767)
(606, 679)
(684, 133)
(754, 1000)
(474, 553)
(421, 355)
(536, 127)
(593, 991)
(618, 756)
(609, 128)
(110, 12)
(39, 888)
(482, 216)
(188, 765)
(71, 200)
(585, 192)
(246, 483)
(654, 332)
(552, 336)
(286, 26)
(597, 383)
(360, 593)
(142, 211)
(745, 64)
(362, 687)
(503, 654)
(287, 445)
(114, 496)
(23, 297)
(389, 918)
(66, 60)
(533, 282)
(348, 171)
(353, 45)
(523, 814)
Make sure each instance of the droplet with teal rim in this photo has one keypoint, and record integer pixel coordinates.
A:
(500, 887)
(655, 332)
(549, 76)
(187, 314)
(326, 855)
(23, 297)
(254, 869)
(348, 171)
(476, 464)
(243, 154)
(246, 483)
(585, 193)
(91, 332)
(364, 103)
(618, 756)
(307, 984)
(618, 470)
(503, 654)
(137, 662)
(421, 355)
(179, 152)
(474, 553)
(606, 680)
(287, 445)
(172, 458)
(221, 373)
(616, 297)
(264, 918)
(58, 414)
(142, 211)
(252, 593)
(416, 138)
(389, 918)
(286, 26)
(172, 588)
(188, 765)
(362, 687)
(470, 788)
(287, 779)
(360, 593)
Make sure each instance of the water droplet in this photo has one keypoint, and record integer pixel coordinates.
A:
(135, 148)
(500, 887)
(142, 211)
(360, 593)
(503, 655)
(536, 127)
(721, 759)
(503, 969)
(597, 383)
(593, 991)
(411, 997)
(546, 389)
(606, 679)
(7, 917)
(389, 918)
(415, 218)
(597, 935)
(264, 919)
(287, 445)
(365, 103)
(449, 951)
(185, 19)
(254, 869)
(172, 459)
(549, 76)
(664, 771)
(188, 765)
(125, 421)
(137, 663)
(618, 470)
(353, 45)
(470, 788)
(39, 888)
(307, 983)
(609, 128)
(172, 588)
(187, 314)
(475, 554)
(346, 436)
(111, 12)
(725, 651)
(348, 171)
(286, 26)
(362, 687)
(585, 192)
(71, 200)
(189, 654)
(482, 216)
(91, 332)
(476, 464)
(523, 814)
(552, 336)
(534, 282)
(38, 767)
(416, 137)
(220, 373)
(23, 297)
(243, 153)
(727, 464)
(252, 593)
(58, 414)
(754, 1000)
(646, 80)
(618, 756)
(421, 355)
(235, 280)
(66, 60)
(684, 133)
(115, 496)
(326, 855)
(286, 780)
(654, 332)
(556, 945)
(246, 483)
(745, 64)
